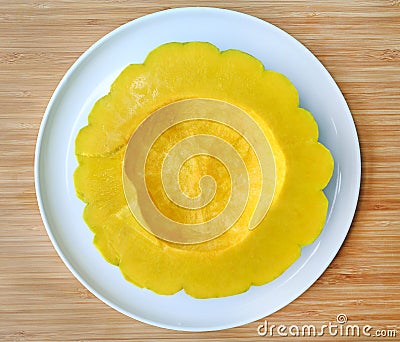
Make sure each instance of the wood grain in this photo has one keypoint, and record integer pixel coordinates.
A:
(358, 42)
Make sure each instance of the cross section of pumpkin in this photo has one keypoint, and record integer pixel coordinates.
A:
(238, 257)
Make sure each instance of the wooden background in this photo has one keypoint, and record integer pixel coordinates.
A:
(357, 41)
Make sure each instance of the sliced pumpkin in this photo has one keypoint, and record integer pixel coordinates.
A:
(232, 262)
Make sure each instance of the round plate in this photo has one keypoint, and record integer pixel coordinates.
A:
(90, 78)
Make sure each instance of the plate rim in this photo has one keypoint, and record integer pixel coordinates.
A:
(58, 91)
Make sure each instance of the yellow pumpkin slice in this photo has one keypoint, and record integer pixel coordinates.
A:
(229, 263)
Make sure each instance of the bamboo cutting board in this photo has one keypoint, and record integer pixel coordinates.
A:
(357, 41)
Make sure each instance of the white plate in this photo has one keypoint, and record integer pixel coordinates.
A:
(90, 77)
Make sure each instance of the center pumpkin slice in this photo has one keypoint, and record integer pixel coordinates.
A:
(236, 257)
